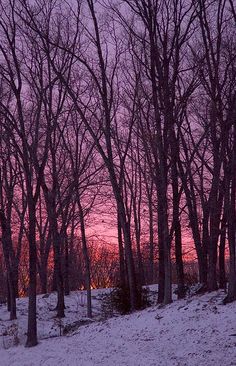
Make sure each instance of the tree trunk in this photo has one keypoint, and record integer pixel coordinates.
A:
(32, 315)
(58, 272)
(179, 260)
(134, 296)
(67, 267)
(232, 226)
(176, 215)
(193, 220)
(6, 243)
(161, 273)
(164, 236)
(43, 277)
(121, 256)
(151, 240)
(86, 258)
(222, 277)
(57, 249)
(141, 277)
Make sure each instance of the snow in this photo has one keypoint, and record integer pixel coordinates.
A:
(197, 331)
(48, 324)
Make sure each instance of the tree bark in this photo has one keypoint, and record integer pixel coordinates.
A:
(86, 258)
(6, 243)
(32, 316)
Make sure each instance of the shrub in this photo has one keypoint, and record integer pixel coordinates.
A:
(118, 301)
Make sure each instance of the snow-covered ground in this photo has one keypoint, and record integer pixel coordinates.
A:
(198, 331)
(48, 325)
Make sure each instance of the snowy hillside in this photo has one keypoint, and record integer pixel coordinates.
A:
(198, 331)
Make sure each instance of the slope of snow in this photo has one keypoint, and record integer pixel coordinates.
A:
(48, 324)
(198, 331)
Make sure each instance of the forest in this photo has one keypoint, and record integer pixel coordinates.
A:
(118, 113)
